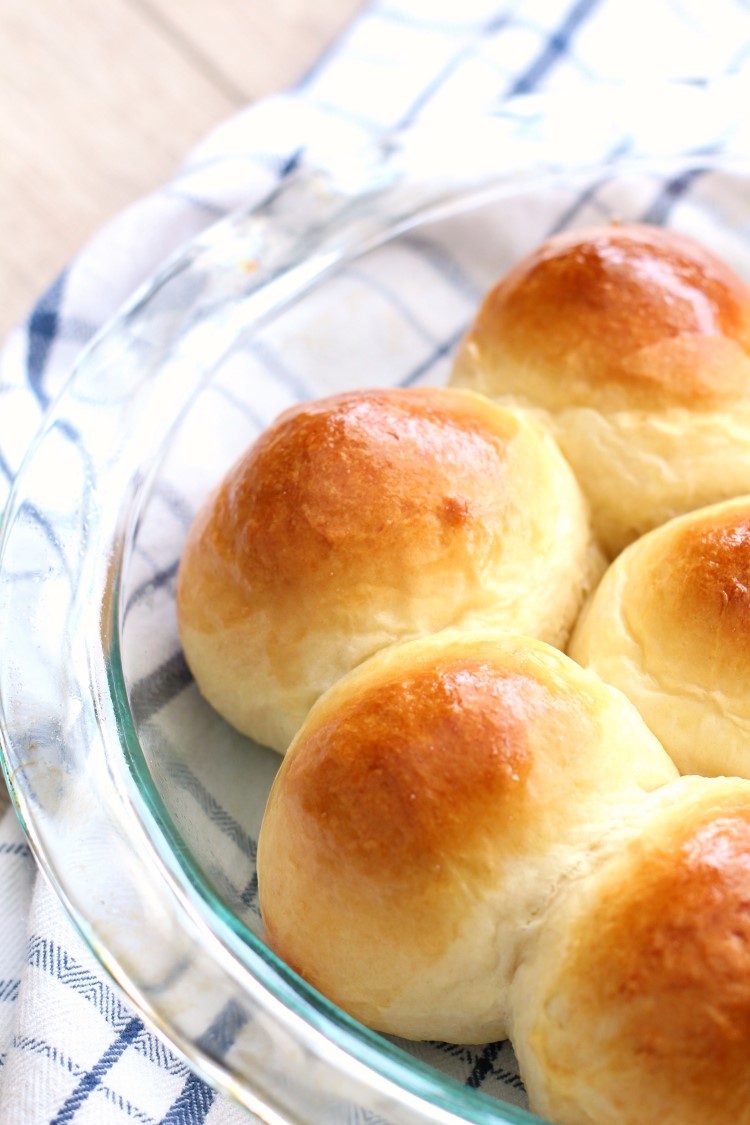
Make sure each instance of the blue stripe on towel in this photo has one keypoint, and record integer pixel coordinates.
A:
(554, 49)
(222, 1033)
(51, 958)
(93, 1077)
(444, 349)
(9, 989)
(43, 328)
(5, 469)
(669, 193)
(494, 25)
(192, 1105)
(186, 779)
(196, 1098)
(160, 687)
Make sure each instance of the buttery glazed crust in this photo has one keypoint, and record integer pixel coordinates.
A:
(634, 1006)
(619, 317)
(669, 625)
(366, 518)
(424, 814)
(636, 340)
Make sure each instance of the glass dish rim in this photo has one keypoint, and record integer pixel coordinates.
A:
(443, 1090)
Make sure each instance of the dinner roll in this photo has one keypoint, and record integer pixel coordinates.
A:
(426, 812)
(635, 341)
(633, 1006)
(366, 518)
(670, 626)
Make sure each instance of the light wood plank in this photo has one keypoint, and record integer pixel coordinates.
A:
(95, 111)
(101, 99)
(255, 47)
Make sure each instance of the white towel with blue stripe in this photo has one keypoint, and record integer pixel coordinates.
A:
(71, 1050)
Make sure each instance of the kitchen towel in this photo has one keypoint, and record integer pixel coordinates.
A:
(71, 1049)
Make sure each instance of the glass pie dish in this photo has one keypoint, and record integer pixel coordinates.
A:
(140, 803)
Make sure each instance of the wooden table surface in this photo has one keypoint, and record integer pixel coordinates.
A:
(101, 99)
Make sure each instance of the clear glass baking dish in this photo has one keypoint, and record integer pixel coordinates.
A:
(140, 804)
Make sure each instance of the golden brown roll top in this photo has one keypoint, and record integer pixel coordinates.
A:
(366, 518)
(700, 580)
(636, 340)
(615, 317)
(669, 625)
(634, 1006)
(426, 812)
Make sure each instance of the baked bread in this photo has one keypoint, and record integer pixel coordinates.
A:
(633, 1006)
(367, 518)
(634, 341)
(424, 816)
(669, 625)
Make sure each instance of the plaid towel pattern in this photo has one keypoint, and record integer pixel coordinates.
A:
(71, 1050)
